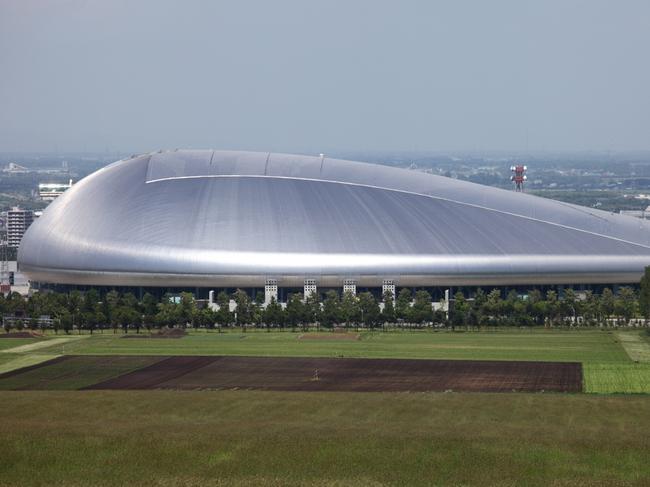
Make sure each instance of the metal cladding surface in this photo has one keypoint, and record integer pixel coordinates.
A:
(226, 219)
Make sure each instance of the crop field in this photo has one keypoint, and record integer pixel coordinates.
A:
(246, 438)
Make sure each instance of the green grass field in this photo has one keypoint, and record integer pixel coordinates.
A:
(543, 345)
(6, 343)
(201, 438)
(198, 438)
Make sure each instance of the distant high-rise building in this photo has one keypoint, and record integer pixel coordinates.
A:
(18, 221)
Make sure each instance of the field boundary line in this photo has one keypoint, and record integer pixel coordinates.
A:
(635, 346)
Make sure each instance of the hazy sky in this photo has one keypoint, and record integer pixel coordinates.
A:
(318, 76)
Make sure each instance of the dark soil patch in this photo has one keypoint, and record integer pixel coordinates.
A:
(329, 336)
(321, 374)
(22, 334)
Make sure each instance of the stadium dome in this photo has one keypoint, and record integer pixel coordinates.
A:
(226, 219)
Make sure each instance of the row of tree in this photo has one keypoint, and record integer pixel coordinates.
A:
(90, 310)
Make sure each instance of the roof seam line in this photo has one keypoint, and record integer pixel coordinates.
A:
(266, 164)
(251, 176)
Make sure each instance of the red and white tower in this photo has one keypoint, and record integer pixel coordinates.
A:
(519, 176)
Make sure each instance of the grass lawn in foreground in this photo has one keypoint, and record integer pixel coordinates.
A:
(261, 438)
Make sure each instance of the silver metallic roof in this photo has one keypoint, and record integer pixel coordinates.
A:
(216, 218)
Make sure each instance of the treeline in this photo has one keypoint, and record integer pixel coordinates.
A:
(91, 311)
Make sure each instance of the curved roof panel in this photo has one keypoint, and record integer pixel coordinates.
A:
(236, 218)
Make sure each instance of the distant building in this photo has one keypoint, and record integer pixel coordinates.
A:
(18, 221)
(12, 167)
(645, 214)
(50, 191)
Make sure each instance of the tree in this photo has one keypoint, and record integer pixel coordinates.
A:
(388, 313)
(330, 315)
(295, 310)
(370, 312)
(644, 294)
(168, 312)
(403, 304)
(422, 311)
(626, 304)
(312, 309)
(125, 317)
(590, 308)
(187, 309)
(74, 305)
(98, 318)
(494, 306)
(460, 310)
(130, 312)
(552, 307)
(111, 302)
(243, 311)
(536, 306)
(607, 303)
(91, 300)
(204, 317)
(223, 316)
(273, 314)
(257, 309)
(350, 311)
(149, 310)
(569, 306)
(478, 307)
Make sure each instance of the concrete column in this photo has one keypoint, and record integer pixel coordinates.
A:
(309, 287)
(270, 291)
(388, 285)
(350, 286)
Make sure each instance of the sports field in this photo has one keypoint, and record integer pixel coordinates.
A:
(53, 435)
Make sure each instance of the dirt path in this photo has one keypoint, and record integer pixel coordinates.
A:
(635, 346)
(43, 344)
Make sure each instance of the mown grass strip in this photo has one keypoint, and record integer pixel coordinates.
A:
(637, 348)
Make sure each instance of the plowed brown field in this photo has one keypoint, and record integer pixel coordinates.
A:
(322, 374)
